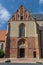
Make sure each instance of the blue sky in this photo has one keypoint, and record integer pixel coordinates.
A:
(9, 7)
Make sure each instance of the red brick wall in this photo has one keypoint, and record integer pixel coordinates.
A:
(31, 43)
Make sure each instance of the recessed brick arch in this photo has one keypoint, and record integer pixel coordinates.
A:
(21, 41)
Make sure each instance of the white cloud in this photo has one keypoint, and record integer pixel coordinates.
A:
(4, 15)
(40, 1)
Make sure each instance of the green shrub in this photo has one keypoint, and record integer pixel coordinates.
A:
(7, 61)
(1, 53)
(38, 62)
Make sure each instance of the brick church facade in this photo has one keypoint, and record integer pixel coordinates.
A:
(23, 38)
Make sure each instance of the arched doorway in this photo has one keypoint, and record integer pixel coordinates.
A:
(21, 48)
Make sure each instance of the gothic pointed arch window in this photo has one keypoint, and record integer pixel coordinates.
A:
(22, 30)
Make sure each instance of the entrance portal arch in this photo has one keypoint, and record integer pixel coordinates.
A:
(21, 48)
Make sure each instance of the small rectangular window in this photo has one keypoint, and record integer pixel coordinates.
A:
(34, 54)
(21, 17)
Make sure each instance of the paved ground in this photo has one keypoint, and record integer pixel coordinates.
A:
(20, 64)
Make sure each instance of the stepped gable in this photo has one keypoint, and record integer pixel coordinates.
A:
(22, 15)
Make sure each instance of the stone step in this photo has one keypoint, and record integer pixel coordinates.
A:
(18, 60)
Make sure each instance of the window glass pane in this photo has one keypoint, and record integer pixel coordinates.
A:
(22, 30)
(2, 46)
